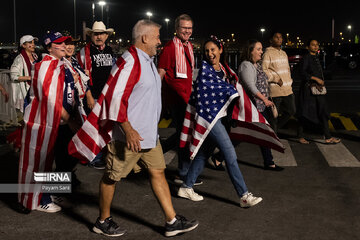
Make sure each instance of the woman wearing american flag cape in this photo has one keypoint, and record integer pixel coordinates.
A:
(42, 117)
(205, 123)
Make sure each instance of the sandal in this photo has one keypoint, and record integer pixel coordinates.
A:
(303, 141)
(332, 140)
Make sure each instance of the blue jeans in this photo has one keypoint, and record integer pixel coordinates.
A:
(217, 136)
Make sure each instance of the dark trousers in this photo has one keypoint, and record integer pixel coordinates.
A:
(178, 114)
(63, 161)
(324, 125)
(265, 151)
(286, 108)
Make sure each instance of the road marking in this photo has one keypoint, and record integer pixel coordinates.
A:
(347, 122)
(164, 123)
(331, 126)
(285, 159)
(337, 155)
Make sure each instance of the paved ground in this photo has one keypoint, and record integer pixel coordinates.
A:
(308, 201)
(316, 197)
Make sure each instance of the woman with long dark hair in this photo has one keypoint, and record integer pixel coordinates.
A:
(312, 107)
(212, 96)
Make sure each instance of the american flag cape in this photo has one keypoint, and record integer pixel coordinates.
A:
(42, 119)
(84, 59)
(209, 101)
(111, 107)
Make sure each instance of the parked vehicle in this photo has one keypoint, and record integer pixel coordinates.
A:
(295, 55)
(348, 55)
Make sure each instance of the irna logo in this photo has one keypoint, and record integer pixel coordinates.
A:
(52, 177)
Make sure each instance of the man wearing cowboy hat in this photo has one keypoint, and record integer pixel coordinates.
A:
(96, 58)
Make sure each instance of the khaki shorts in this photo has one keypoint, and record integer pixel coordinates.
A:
(120, 160)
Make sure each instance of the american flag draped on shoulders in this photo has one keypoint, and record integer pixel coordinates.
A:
(209, 101)
(111, 107)
(42, 118)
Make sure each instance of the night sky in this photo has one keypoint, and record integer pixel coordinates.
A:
(245, 18)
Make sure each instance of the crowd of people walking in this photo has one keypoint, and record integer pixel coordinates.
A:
(104, 112)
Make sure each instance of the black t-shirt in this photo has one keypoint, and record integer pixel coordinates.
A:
(102, 61)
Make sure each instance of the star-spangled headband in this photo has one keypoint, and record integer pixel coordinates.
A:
(213, 37)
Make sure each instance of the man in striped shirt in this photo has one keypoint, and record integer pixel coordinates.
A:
(276, 66)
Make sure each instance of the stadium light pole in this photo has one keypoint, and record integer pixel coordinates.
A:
(349, 27)
(93, 11)
(102, 4)
(75, 18)
(262, 30)
(14, 21)
(149, 14)
(167, 20)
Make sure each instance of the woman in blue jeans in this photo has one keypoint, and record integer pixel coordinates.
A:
(218, 135)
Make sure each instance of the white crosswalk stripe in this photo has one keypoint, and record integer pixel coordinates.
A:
(287, 158)
(338, 155)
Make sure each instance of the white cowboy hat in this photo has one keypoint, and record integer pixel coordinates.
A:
(98, 27)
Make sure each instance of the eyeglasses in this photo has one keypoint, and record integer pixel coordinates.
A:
(186, 28)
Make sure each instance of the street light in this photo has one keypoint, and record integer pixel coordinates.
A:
(102, 4)
(93, 11)
(167, 26)
(75, 19)
(149, 14)
(349, 27)
(262, 30)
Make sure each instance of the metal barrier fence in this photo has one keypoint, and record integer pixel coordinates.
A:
(7, 109)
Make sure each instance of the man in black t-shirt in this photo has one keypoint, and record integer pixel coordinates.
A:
(97, 60)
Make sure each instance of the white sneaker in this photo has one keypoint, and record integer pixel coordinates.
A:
(189, 194)
(248, 200)
(49, 208)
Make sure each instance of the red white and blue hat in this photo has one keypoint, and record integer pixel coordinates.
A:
(55, 37)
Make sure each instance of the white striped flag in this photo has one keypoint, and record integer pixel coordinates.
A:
(84, 59)
(180, 67)
(208, 103)
(42, 119)
(111, 107)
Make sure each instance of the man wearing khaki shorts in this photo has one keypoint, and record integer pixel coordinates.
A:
(120, 160)
(135, 133)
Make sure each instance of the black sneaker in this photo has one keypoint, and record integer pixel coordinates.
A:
(181, 225)
(108, 228)
(97, 164)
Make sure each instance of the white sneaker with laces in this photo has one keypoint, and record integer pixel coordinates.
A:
(49, 208)
(189, 193)
(249, 200)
